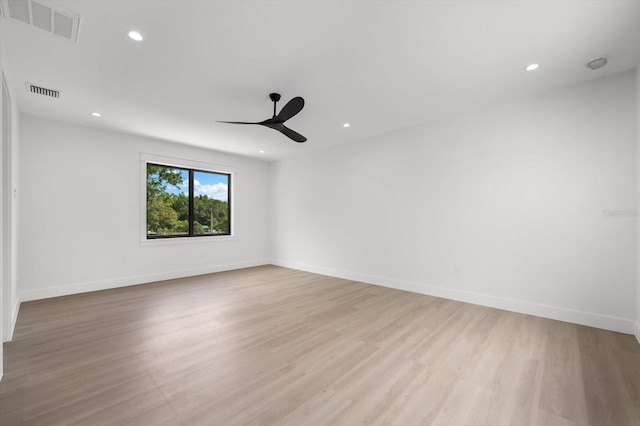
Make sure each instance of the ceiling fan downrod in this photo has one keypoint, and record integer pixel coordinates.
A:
(275, 97)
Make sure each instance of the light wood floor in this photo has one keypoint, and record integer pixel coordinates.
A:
(274, 346)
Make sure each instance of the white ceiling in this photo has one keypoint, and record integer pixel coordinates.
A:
(379, 65)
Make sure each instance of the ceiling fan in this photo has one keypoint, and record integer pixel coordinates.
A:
(276, 122)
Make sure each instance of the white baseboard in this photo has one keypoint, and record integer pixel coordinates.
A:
(637, 330)
(46, 293)
(11, 326)
(14, 317)
(622, 325)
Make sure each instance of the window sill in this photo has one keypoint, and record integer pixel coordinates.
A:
(185, 240)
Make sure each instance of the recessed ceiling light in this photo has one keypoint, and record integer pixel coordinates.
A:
(134, 35)
(261, 151)
(346, 125)
(96, 114)
(532, 67)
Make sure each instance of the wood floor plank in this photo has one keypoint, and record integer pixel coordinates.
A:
(562, 378)
(276, 346)
(467, 404)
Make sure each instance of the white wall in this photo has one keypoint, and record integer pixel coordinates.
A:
(2, 236)
(9, 301)
(10, 231)
(15, 216)
(501, 207)
(637, 322)
(80, 212)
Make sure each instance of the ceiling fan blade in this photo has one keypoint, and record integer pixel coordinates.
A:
(292, 107)
(235, 122)
(292, 134)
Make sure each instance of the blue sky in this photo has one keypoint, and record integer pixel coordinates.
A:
(211, 184)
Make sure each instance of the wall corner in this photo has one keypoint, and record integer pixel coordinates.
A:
(637, 319)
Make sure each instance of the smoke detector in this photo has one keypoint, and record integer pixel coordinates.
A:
(44, 16)
(597, 63)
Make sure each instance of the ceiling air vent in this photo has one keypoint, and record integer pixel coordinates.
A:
(43, 91)
(44, 16)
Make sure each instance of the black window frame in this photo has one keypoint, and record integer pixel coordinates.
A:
(191, 202)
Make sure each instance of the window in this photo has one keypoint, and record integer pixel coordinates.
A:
(184, 202)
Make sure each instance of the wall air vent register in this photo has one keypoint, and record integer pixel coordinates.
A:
(43, 16)
(38, 90)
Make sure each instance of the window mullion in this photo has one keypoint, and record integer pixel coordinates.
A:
(191, 201)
